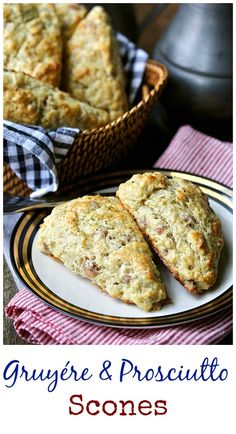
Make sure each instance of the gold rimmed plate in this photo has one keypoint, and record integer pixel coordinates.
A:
(75, 296)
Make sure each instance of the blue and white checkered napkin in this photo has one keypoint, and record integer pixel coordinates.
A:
(32, 152)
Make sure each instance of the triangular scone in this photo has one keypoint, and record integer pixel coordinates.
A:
(69, 14)
(32, 41)
(93, 66)
(30, 101)
(176, 217)
(97, 238)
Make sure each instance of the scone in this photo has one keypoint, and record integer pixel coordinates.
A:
(30, 101)
(176, 217)
(69, 14)
(32, 41)
(93, 66)
(97, 238)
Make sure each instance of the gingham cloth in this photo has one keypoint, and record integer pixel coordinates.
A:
(38, 323)
(32, 152)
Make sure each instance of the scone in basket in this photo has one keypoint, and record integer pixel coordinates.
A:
(96, 149)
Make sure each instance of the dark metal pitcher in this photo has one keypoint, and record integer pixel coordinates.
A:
(197, 50)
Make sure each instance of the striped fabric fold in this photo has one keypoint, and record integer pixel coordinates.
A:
(191, 151)
(39, 324)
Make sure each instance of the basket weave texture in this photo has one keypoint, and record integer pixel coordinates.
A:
(97, 149)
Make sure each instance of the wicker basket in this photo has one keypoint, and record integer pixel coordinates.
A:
(97, 149)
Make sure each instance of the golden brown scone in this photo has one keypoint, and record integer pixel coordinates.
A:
(97, 238)
(176, 217)
(69, 14)
(30, 101)
(93, 66)
(32, 41)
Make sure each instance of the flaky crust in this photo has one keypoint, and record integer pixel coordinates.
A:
(30, 101)
(93, 66)
(176, 218)
(69, 14)
(32, 41)
(97, 238)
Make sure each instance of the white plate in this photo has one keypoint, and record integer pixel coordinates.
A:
(76, 296)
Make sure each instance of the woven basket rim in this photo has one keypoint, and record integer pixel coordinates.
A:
(156, 65)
